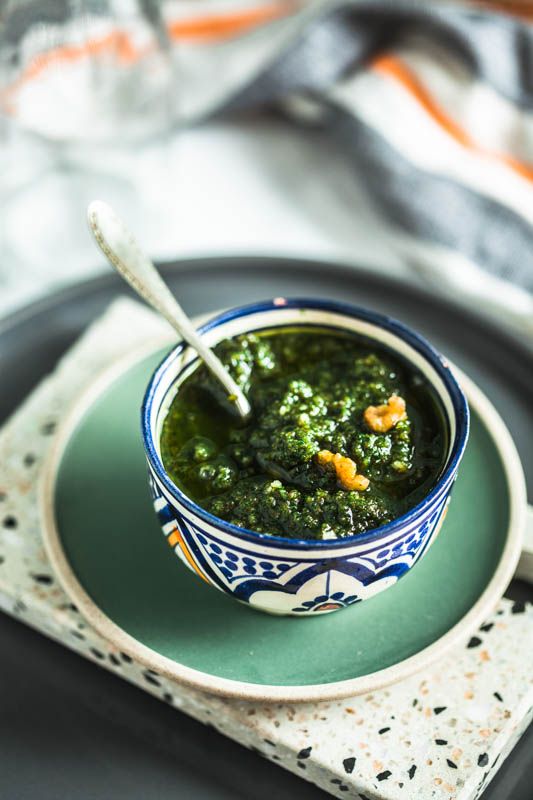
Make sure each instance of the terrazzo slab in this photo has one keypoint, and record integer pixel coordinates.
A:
(442, 733)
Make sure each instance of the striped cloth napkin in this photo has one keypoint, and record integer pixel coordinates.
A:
(431, 102)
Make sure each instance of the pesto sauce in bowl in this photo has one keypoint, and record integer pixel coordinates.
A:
(309, 390)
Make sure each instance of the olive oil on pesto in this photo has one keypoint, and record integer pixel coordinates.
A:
(309, 390)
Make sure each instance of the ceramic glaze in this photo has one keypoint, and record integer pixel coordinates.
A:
(288, 576)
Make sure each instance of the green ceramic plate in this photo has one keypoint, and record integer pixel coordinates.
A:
(105, 543)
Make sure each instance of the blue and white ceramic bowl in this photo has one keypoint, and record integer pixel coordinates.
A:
(289, 576)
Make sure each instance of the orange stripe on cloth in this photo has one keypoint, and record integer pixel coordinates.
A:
(118, 43)
(393, 67)
(516, 8)
(176, 538)
(223, 26)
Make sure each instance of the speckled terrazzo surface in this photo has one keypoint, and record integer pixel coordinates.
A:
(441, 733)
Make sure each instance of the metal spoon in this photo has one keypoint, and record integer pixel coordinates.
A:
(120, 248)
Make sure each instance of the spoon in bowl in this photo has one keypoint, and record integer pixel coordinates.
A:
(120, 248)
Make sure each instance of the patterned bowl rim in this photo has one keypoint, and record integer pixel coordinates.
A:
(417, 342)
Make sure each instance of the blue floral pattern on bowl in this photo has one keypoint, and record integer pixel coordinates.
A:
(300, 577)
(281, 584)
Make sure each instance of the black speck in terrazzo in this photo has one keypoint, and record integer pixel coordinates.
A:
(349, 764)
(97, 653)
(451, 764)
(344, 788)
(482, 760)
(336, 781)
(276, 757)
(40, 578)
(383, 730)
(167, 697)
(305, 753)
(363, 797)
(500, 612)
(411, 771)
(498, 696)
(518, 607)
(439, 709)
(2, 559)
(475, 641)
(382, 776)
(400, 785)
(125, 657)
(73, 608)
(415, 702)
(441, 741)
(48, 428)
(151, 679)
(114, 660)
(486, 627)
(267, 741)
(301, 765)
(20, 607)
(78, 635)
(10, 522)
(29, 460)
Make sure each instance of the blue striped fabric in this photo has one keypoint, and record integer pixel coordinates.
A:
(432, 105)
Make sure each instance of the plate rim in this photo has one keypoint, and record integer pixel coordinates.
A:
(226, 687)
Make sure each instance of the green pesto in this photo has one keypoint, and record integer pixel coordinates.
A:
(308, 391)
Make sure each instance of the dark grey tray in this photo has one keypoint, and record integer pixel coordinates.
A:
(70, 730)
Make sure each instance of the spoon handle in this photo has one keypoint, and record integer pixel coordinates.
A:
(120, 248)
